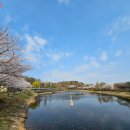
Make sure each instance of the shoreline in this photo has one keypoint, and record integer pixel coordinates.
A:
(20, 122)
(125, 95)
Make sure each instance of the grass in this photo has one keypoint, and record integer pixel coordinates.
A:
(11, 107)
(112, 93)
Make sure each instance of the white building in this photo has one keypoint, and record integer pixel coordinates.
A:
(71, 101)
(88, 87)
(72, 86)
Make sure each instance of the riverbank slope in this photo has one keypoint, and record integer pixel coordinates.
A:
(13, 109)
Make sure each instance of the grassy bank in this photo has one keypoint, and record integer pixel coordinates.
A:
(13, 109)
(112, 93)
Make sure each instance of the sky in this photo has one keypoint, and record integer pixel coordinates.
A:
(83, 40)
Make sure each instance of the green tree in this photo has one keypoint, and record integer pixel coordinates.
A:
(36, 84)
(30, 79)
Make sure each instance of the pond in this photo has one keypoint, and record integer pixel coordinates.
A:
(74, 110)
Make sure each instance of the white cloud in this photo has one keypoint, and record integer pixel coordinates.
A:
(84, 76)
(68, 54)
(58, 75)
(33, 47)
(122, 24)
(25, 28)
(86, 72)
(92, 61)
(57, 56)
(118, 53)
(103, 56)
(36, 52)
(8, 19)
(34, 42)
(66, 2)
(114, 38)
(32, 58)
(30, 43)
(39, 40)
(81, 68)
(90, 71)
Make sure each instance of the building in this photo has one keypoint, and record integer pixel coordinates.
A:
(89, 87)
(72, 86)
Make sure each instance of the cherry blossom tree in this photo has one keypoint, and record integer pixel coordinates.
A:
(12, 64)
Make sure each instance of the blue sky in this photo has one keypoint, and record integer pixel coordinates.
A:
(84, 40)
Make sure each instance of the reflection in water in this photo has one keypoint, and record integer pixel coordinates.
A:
(45, 100)
(71, 102)
(79, 111)
(35, 105)
(106, 99)
(123, 102)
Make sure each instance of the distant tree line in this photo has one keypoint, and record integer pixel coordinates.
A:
(37, 83)
(122, 86)
(125, 86)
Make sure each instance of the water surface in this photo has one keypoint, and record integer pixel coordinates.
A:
(76, 110)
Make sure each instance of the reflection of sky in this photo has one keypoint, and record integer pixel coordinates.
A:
(88, 112)
(71, 98)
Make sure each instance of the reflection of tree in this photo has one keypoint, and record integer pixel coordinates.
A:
(123, 102)
(35, 104)
(50, 97)
(45, 100)
(106, 98)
